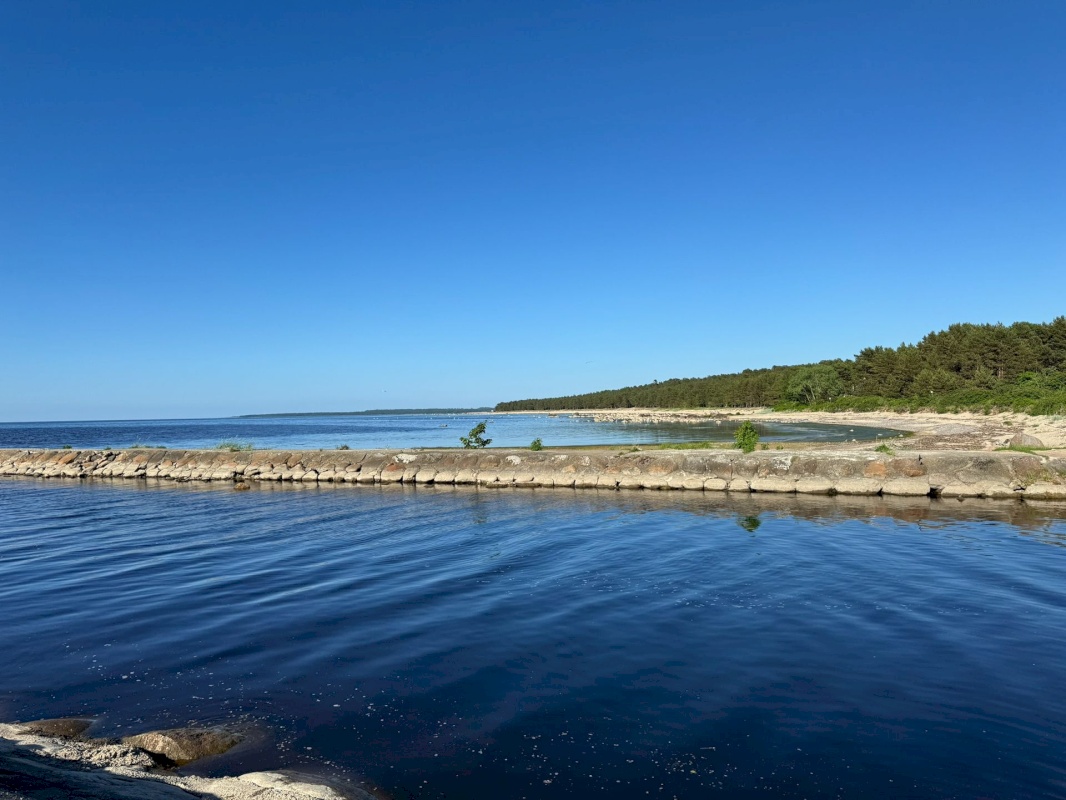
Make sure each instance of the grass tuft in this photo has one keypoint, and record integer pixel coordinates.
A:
(234, 446)
(1018, 448)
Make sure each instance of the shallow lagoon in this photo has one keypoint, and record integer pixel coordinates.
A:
(399, 431)
(457, 643)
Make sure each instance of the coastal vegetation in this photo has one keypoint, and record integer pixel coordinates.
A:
(746, 437)
(234, 446)
(475, 440)
(987, 368)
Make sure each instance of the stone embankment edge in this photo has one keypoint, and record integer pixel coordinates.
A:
(861, 472)
(98, 769)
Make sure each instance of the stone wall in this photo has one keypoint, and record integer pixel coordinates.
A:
(935, 473)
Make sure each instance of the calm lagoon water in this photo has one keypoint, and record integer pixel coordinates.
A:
(396, 431)
(447, 643)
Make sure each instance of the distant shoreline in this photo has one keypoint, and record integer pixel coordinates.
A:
(374, 412)
(963, 430)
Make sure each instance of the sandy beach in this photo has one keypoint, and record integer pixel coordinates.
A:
(931, 431)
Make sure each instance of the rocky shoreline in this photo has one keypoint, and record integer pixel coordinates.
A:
(57, 759)
(907, 473)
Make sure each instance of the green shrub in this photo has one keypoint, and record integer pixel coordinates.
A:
(344, 447)
(746, 437)
(884, 448)
(474, 440)
(536, 444)
(234, 446)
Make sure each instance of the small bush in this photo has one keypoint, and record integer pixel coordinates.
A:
(746, 437)
(234, 446)
(67, 447)
(884, 448)
(344, 447)
(474, 440)
(536, 444)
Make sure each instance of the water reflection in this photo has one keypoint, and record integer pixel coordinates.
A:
(1030, 517)
(749, 523)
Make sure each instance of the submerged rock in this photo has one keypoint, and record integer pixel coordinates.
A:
(182, 745)
(63, 728)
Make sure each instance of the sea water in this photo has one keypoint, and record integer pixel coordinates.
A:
(457, 643)
(365, 432)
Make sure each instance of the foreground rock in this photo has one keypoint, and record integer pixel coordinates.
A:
(39, 767)
(905, 473)
(63, 728)
(183, 745)
(1025, 440)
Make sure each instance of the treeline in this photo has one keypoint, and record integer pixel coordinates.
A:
(1019, 367)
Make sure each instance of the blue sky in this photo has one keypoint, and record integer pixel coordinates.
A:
(214, 208)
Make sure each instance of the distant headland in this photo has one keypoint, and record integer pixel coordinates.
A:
(374, 412)
(981, 368)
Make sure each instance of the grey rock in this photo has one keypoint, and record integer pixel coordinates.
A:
(311, 786)
(64, 727)
(182, 745)
(1025, 440)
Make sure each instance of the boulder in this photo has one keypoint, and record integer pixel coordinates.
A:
(63, 728)
(1045, 491)
(1025, 440)
(182, 745)
(311, 786)
(906, 487)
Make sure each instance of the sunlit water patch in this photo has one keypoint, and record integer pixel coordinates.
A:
(543, 644)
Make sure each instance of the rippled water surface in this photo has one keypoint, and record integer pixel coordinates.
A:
(399, 431)
(456, 643)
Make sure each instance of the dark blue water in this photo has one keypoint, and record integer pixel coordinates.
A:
(451, 643)
(398, 431)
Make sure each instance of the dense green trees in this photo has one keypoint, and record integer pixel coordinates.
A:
(814, 383)
(1020, 366)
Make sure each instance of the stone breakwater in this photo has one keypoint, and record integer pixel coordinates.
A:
(908, 474)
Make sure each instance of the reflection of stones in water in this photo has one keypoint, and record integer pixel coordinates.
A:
(750, 524)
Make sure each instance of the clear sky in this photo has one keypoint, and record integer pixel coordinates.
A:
(214, 208)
